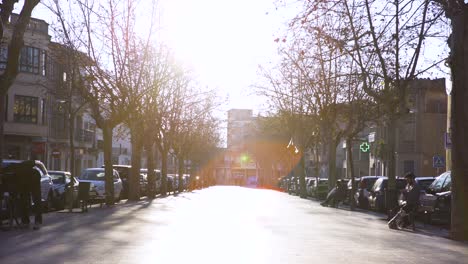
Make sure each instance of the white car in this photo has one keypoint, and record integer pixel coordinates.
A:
(47, 194)
(96, 177)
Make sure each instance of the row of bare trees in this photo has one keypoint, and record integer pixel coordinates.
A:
(125, 79)
(346, 64)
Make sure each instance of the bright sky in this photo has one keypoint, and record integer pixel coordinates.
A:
(224, 42)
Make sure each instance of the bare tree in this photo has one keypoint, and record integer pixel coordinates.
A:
(113, 74)
(385, 42)
(158, 74)
(12, 32)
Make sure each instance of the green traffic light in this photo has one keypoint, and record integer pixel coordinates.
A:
(244, 158)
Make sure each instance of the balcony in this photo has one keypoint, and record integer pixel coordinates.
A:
(84, 135)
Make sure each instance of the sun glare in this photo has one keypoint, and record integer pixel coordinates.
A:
(223, 42)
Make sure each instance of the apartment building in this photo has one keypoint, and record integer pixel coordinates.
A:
(420, 133)
(26, 120)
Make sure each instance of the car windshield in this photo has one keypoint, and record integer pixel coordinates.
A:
(424, 184)
(123, 172)
(436, 186)
(368, 183)
(93, 175)
(57, 178)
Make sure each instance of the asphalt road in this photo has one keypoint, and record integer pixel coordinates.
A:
(224, 225)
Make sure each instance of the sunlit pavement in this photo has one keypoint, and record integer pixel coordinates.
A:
(224, 225)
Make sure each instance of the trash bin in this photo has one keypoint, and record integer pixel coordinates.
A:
(83, 195)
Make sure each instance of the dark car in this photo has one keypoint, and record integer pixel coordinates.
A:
(157, 186)
(436, 202)
(292, 184)
(124, 172)
(349, 193)
(320, 188)
(363, 191)
(424, 182)
(47, 193)
(378, 192)
(169, 183)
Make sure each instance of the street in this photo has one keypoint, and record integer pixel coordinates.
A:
(224, 224)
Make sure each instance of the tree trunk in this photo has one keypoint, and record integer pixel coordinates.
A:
(109, 185)
(151, 189)
(3, 105)
(163, 171)
(193, 175)
(181, 171)
(134, 177)
(302, 184)
(350, 171)
(391, 193)
(459, 62)
(71, 141)
(332, 164)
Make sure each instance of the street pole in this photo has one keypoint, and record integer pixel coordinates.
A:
(448, 148)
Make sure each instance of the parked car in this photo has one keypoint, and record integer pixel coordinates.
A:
(309, 183)
(96, 177)
(124, 172)
(283, 183)
(349, 192)
(157, 180)
(424, 182)
(47, 193)
(61, 183)
(436, 202)
(362, 193)
(378, 193)
(320, 188)
(170, 183)
(186, 181)
(292, 184)
(143, 184)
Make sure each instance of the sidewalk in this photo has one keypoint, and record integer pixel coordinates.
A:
(421, 228)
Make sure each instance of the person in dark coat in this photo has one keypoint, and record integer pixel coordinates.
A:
(335, 195)
(23, 180)
(411, 193)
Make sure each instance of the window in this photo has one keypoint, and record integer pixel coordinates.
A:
(29, 60)
(43, 63)
(408, 166)
(25, 109)
(436, 106)
(436, 186)
(43, 111)
(447, 183)
(3, 57)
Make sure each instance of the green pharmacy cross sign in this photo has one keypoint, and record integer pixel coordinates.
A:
(364, 147)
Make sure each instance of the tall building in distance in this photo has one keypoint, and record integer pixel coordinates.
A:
(238, 165)
(240, 127)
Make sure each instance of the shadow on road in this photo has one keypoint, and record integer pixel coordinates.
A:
(72, 231)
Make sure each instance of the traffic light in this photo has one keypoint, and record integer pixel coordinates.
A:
(244, 158)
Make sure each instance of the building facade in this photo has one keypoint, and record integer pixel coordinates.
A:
(238, 165)
(420, 133)
(26, 120)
